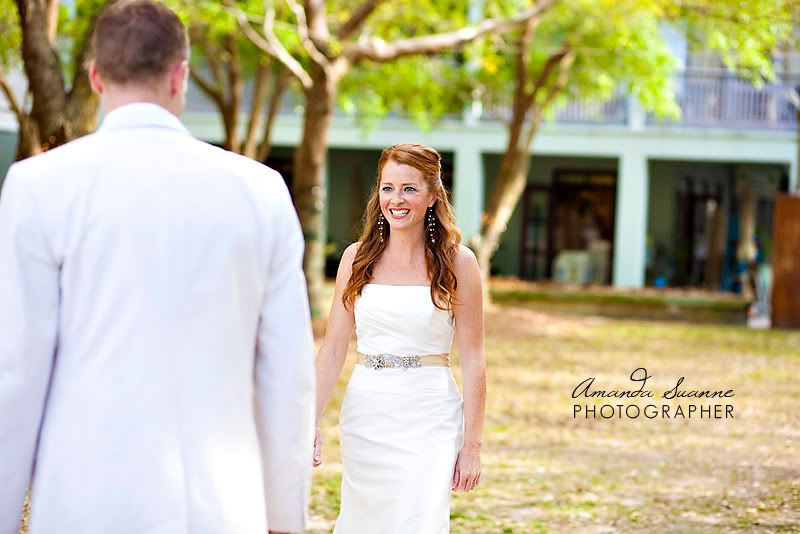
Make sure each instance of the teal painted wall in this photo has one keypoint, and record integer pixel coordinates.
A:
(351, 178)
(506, 260)
(8, 150)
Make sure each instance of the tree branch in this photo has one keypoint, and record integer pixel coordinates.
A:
(552, 62)
(12, 98)
(255, 118)
(214, 58)
(213, 88)
(212, 92)
(379, 50)
(305, 36)
(269, 42)
(81, 99)
(235, 89)
(314, 11)
(564, 65)
(356, 20)
(52, 20)
(278, 90)
(521, 103)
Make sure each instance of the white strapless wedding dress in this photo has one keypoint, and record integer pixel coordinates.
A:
(401, 428)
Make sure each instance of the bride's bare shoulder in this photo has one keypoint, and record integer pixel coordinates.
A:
(465, 258)
(466, 267)
(349, 254)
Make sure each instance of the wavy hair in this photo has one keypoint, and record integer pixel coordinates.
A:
(440, 255)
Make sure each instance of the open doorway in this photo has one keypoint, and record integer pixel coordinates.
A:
(573, 216)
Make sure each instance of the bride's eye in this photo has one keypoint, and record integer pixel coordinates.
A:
(409, 188)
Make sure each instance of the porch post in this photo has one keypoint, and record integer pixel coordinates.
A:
(630, 232)
(468, 191)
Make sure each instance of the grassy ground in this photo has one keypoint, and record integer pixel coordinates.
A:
(545, 471)
(681, 304)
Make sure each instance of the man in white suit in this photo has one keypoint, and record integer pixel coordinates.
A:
(156, 357)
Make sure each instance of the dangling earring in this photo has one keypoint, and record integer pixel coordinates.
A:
(380, 225)
(431, 224)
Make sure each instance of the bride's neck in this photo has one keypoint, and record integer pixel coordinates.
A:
(405, 249)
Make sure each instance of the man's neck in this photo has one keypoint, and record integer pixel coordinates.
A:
(117, 99)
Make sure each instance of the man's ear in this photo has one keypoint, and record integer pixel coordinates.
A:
(179, 78)
(94, 79)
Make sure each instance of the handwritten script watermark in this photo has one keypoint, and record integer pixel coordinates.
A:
(690, 406)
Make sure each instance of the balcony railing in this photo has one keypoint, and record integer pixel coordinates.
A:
(724, 101)
(706, 100)
(579, 111)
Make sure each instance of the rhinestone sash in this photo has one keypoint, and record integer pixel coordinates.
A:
(392, 361)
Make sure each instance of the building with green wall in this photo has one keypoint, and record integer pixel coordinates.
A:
(645, 197)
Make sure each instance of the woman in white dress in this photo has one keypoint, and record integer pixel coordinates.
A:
(409, 288)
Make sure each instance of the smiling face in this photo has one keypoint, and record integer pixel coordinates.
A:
(404, 196)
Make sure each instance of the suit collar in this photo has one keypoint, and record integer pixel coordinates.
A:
(141, 115)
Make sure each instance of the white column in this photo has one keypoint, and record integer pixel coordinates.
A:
(472, 112)
(468, 191)
(793, 173)
(637, 118)
(631, 221)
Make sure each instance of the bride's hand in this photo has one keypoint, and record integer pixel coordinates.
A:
(467, 474)
(317, 458)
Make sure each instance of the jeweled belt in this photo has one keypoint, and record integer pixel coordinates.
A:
(392, 361)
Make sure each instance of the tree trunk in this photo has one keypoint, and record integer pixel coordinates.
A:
(57, 116)
(511, 179)
(28, 142)
(235, 89)
(715, 245)
(309, 189)
(278, 90)
(250, 145)
(513, 174)
(746, 250)
(513, 167)
(43, 69)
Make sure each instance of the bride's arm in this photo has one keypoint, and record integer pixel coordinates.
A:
(331, 356)
(468, 313)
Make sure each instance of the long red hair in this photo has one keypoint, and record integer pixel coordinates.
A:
(440, 255)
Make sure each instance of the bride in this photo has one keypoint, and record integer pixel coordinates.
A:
(408, 287)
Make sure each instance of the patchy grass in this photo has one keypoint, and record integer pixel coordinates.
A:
(545, 471)
(548, 472)
(691, 305)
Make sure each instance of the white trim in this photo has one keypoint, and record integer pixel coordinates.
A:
(656, 142)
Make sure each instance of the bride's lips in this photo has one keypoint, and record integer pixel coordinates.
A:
(399, 213)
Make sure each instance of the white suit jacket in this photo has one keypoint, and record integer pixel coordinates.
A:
(156, 355)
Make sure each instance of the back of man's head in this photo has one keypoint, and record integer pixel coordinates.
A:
(136, 42)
